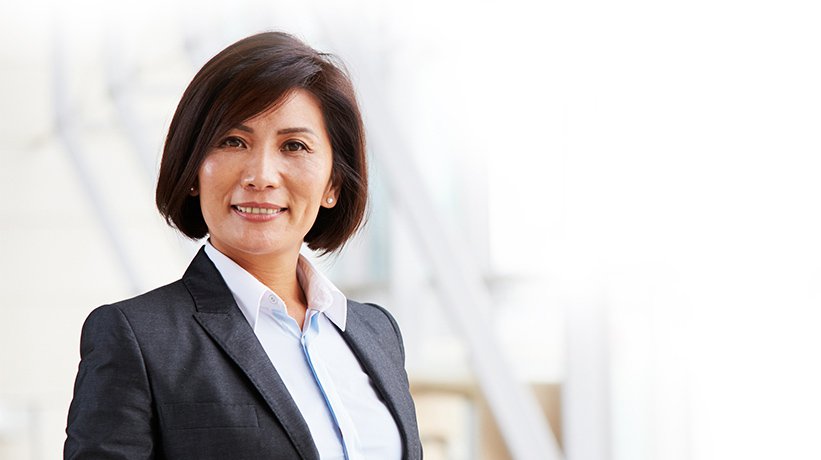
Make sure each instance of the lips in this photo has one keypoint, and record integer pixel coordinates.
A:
(258, 209)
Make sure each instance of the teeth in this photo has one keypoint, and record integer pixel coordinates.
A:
(248, 210)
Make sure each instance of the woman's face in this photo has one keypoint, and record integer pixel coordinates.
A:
(262, 184)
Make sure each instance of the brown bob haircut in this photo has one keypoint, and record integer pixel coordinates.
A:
(242, 81)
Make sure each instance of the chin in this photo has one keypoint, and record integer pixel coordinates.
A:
(262, 246)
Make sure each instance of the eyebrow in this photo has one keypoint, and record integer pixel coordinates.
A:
(294, 130)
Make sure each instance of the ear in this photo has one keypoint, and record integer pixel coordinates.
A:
(329, 198)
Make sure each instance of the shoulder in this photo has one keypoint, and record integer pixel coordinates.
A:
(373, 315)
(200, 273)
(173, 293)
(155, 306)
(379, 321)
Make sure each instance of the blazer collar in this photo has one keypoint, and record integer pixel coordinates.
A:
(219, 315)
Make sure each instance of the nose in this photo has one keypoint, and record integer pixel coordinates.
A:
(262, 170)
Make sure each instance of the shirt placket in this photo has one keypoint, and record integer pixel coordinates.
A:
(338, 413)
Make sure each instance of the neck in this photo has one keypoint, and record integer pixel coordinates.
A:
(275, 271)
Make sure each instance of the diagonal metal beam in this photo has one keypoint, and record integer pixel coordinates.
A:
(517, 412)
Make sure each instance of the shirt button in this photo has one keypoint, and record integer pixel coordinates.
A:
(272, 299)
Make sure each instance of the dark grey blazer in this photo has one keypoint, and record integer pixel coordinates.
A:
(177, 373)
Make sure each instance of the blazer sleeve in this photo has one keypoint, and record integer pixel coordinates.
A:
(111, 415)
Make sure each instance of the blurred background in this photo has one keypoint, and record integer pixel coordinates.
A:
(596, 222)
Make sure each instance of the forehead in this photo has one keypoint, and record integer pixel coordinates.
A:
(298, 106)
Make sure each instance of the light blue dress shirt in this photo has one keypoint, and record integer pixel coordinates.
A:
(344, 413)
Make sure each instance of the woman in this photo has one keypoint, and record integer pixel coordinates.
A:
(253, 353)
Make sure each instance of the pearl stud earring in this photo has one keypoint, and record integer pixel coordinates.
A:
(330, 200)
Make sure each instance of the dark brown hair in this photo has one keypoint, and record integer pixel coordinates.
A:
(242, 81)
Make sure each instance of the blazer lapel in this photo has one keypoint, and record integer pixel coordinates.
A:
(389, 379)
(219, 315)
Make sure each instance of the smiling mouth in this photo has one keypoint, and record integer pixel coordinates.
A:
(264, 211)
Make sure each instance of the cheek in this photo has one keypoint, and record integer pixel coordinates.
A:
(217, 174)
(314, 177)
(323, 174)
(212, 182)
(208, 170)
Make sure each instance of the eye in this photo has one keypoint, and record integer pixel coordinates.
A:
(294, 146)
(232, 142)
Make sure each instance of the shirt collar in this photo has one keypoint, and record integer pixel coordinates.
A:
(250, 294)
